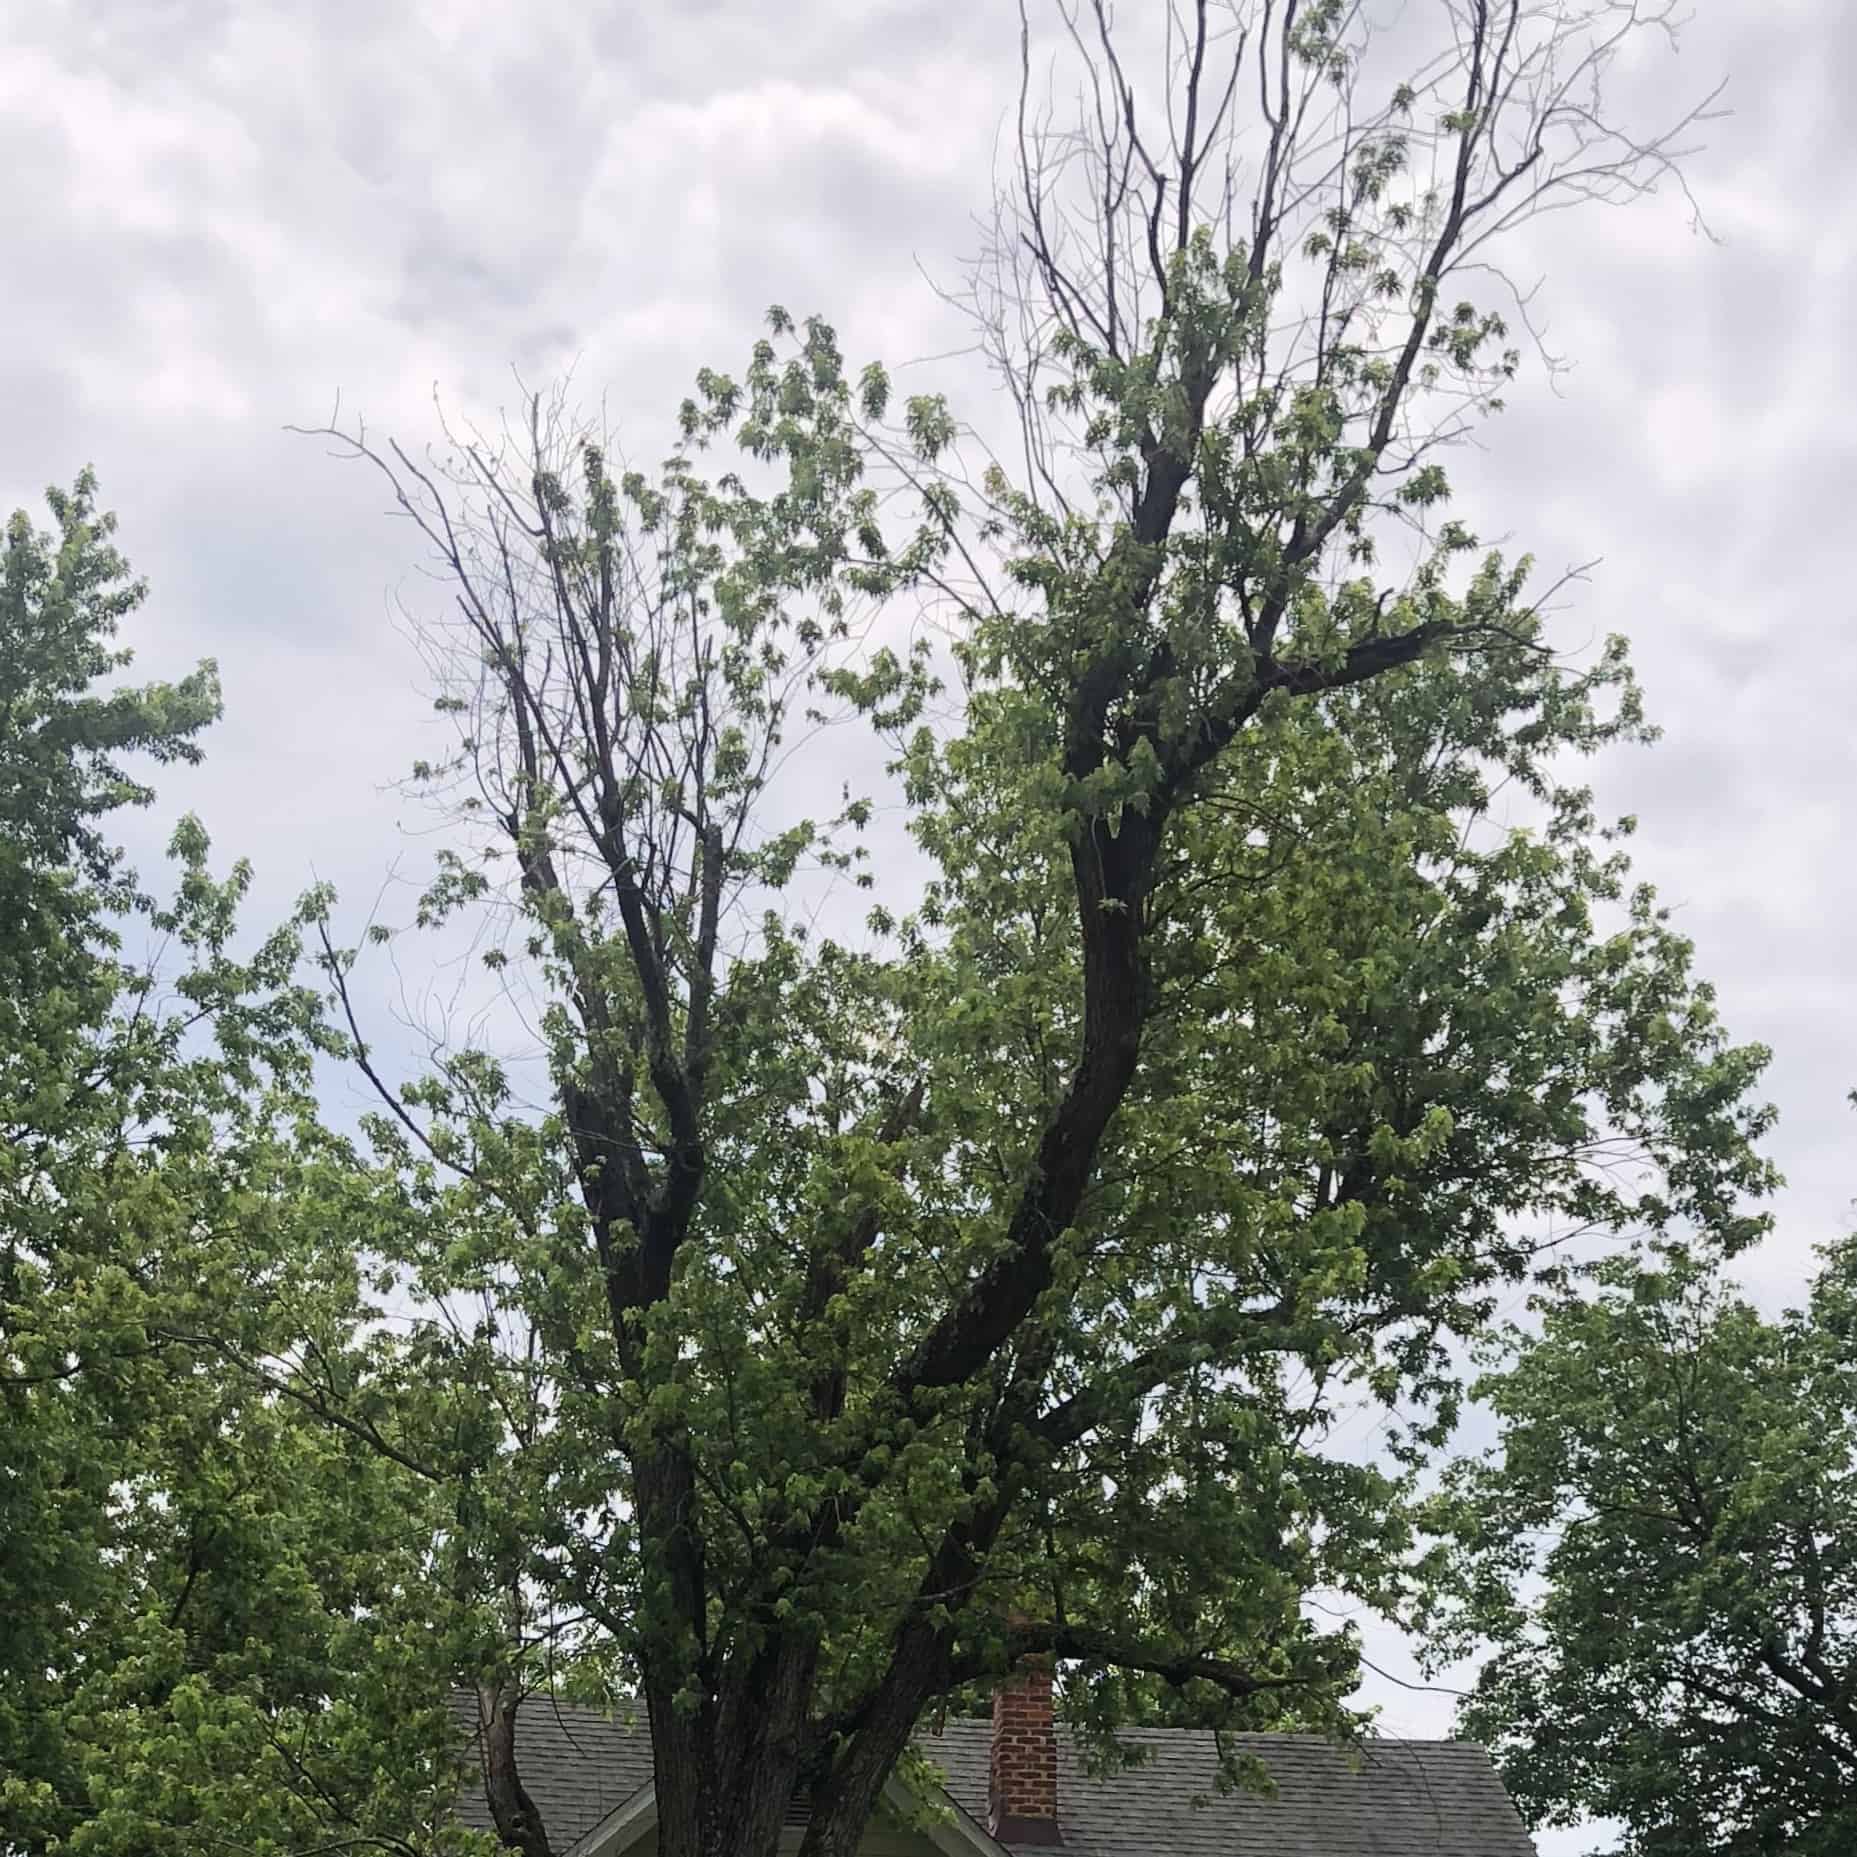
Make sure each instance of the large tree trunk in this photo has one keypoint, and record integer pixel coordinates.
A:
(726, 1770)
(683, 1747)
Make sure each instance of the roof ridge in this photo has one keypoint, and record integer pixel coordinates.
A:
(979, 1724)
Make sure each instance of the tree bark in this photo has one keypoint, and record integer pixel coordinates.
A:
(518, 1820)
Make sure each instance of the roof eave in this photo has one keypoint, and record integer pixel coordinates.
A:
(956, 1835)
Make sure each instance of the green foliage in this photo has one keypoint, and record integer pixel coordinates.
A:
(212, 1609)
(1661, 1554)
(63, 595)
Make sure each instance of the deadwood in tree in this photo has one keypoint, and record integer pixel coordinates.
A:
(984, 1284)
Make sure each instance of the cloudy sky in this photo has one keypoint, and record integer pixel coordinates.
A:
(220, 214)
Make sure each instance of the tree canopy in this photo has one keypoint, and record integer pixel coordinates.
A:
(1661, 1553)
(208, 1603)
(868, 1308)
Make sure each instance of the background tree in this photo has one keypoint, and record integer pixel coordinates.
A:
(1661, 1552)
(863, 1312)
(213, 1608)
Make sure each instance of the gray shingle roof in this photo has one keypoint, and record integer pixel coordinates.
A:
(1386, 1798)
(576, 1764)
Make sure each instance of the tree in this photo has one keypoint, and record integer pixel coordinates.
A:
(864, 1311)
(1661, 1554)
(62, 597)
(210, 1604)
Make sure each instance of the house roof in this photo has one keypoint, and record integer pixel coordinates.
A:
(1384, 1798)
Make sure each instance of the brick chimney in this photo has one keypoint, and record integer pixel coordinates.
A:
(1022, 1776)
